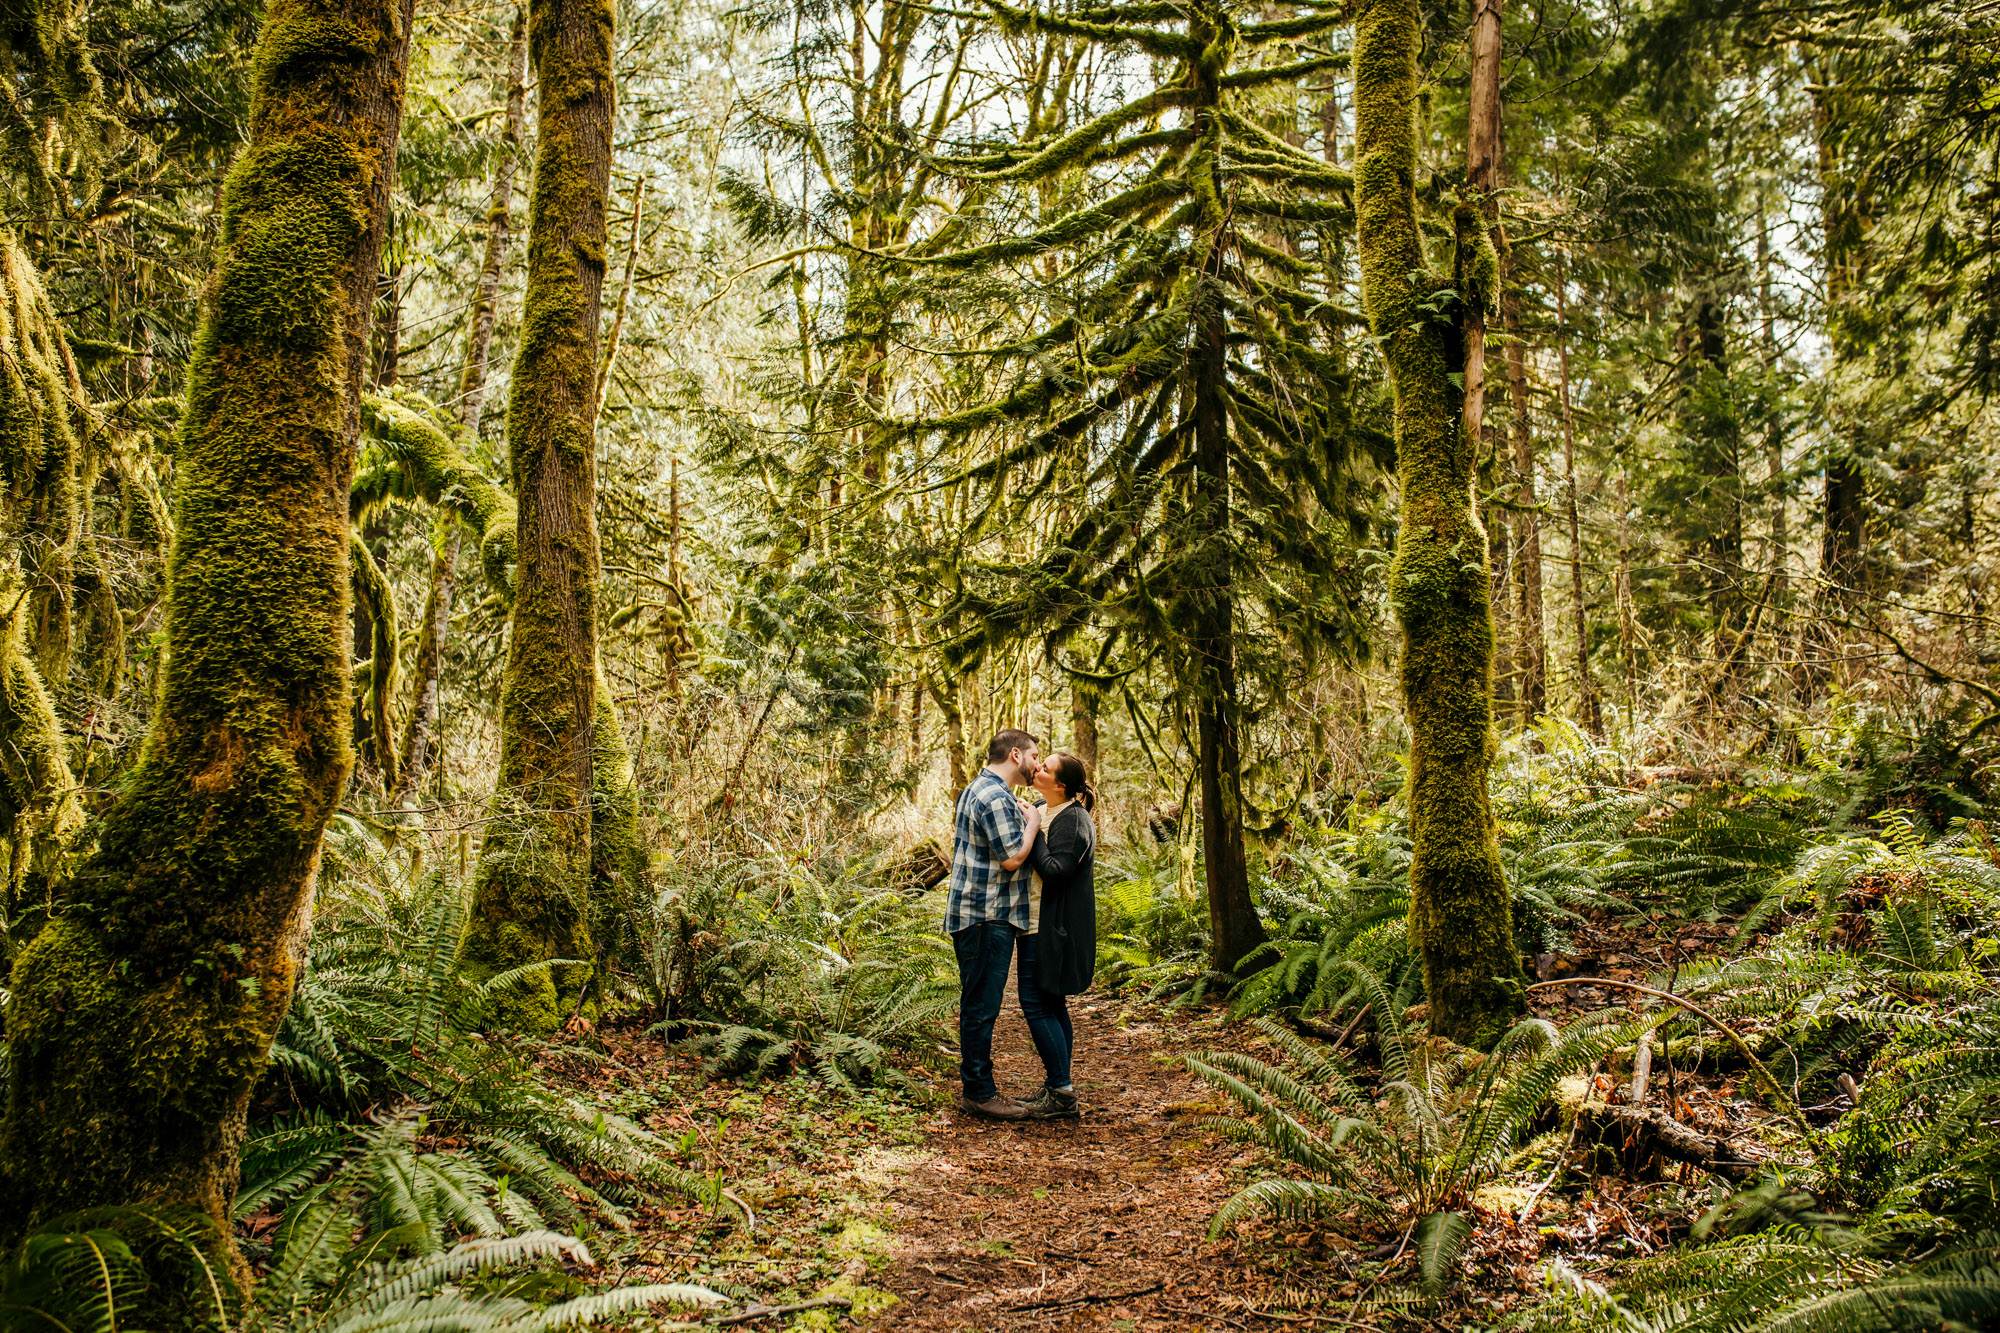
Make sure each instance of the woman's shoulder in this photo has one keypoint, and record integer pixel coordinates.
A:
(1075, 812)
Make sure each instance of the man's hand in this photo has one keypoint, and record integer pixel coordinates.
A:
(1033, 815)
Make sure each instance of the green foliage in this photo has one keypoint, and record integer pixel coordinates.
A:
(1786, 1279)
(1411, 1143)
(385, 1018)
(774, 962)
(1153, 928)
(94, 1273)
(1888, 982)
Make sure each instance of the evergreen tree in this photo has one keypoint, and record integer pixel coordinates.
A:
(1187, 404)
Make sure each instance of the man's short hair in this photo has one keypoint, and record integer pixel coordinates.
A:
(1008, 741)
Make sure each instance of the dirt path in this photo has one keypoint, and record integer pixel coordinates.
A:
(1098, 1223)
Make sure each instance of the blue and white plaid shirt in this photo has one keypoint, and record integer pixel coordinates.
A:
(990, 829)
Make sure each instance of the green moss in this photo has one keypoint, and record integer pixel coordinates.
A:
(45, 420)
(45, 428)
(1439, 583)
(39, 810)
(55, 104)
(142, 1016)
(621, 871)
(863, 1303)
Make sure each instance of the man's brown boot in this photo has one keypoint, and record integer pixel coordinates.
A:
(997, 1107)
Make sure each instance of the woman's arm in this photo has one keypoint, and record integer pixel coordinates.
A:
(1060, 848)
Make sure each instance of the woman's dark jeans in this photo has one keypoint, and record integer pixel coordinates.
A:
(1047, 1015)
(984, 950)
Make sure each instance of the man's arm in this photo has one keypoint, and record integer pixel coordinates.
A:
(1007, 829)
(1031, 824)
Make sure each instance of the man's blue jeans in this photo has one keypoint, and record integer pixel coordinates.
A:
(1048, 1017)
(984, 950)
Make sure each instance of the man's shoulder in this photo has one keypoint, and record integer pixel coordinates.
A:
(985, 789)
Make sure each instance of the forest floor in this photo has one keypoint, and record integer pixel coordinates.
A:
(902, 1213)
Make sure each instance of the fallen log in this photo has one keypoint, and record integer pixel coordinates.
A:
(1638, 1133)
(919, 870)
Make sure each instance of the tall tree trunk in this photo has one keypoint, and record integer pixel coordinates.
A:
(1460, 914)
(1628, 621)
(1234, 926)
(1778, 554)
(1531, 645)
(611, 340)
(1083, 724)
(499, 232)
(531, 899)
(389, 331)
(137, 1029)
(420, 736)
(954, 734)
(1588, 710)
(1846, 226)
(1483, 153)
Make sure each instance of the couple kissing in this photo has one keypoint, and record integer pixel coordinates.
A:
(1023, 891)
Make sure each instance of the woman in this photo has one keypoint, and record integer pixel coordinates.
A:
(1058, 955)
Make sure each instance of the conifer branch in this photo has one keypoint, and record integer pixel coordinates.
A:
(1269, 74)
(1070, 152)
(1172, 46)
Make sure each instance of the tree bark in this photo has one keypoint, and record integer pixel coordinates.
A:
(420, 735)
(137, 1029)
(1083, 725)
(1460, 914)
(954, 734)
(1774, 425)
(389, 331)
(531, 891)
(499, 231)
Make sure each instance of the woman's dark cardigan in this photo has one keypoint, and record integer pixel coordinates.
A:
(1065, 856)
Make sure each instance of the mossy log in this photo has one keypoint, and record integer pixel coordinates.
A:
(44, 423)
(1439, 582)
(414, 454)
(143, 1014)
(378, 677)
(531, 892)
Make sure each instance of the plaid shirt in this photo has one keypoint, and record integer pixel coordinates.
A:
(990, 829)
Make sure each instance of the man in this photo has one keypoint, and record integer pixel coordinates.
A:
(988, 906)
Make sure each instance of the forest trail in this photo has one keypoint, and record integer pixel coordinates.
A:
(1096, 1223)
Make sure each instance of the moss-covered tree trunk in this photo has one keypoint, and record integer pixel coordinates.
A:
(1439, 582)
(144, 1013)
(531, 900)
